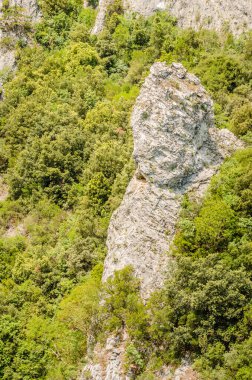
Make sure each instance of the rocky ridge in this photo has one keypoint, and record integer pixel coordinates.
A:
(177, 150)
(190, 13)
(30, 11)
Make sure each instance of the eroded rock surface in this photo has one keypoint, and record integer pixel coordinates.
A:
(177, 150)
(109, 361)
(30, 11)
(29, 7)
(191, 13)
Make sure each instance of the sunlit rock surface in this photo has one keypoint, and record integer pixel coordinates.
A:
(177, 150)
(30, 11)
(214, 14)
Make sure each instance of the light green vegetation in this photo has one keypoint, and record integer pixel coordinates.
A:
(65, 152)
(204, 311)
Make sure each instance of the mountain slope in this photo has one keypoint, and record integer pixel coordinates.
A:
(214, 14)
(66, 147)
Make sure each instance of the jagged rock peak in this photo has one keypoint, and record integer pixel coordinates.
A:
(177, 150)
(212, 14)
(170, 124)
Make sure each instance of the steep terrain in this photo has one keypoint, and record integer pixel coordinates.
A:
(196, 13)
(66, 144)
(13, 19)
(177, 150)
(29, 7)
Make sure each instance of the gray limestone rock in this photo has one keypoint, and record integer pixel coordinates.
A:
(29, 9)
(140, 233)
(212, 14)
(101, 15)
(109, 359)
(177, 150)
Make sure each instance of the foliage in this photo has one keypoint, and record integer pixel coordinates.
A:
(124, 310)
(122, 305)
(134, 361)
(66, 146)
(205, 309)
(52, 7)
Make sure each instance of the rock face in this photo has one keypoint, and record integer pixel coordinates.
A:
(29, 7)
(213, 14)
(30, 10)
(177, 150)
(191, 13)
(109, 361)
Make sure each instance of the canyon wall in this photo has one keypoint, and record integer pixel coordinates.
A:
(212, 14)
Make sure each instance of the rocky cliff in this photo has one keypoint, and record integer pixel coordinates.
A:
(177, 150)
(191, 13)
(11, 29)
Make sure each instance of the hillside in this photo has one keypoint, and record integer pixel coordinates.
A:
(196, 14)
(125, 196)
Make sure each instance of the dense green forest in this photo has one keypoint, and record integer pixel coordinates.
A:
(65, 154)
